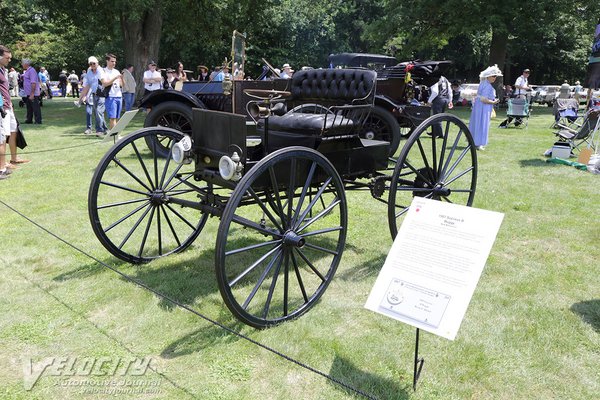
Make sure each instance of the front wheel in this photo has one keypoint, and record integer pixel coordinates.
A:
(138, 204)
(281, 237)
(439, 168)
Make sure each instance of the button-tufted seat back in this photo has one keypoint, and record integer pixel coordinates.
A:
(334, 85)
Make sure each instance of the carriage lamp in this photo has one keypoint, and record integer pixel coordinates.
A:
(181, 150)
(231, 168)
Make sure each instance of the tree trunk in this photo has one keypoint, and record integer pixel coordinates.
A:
(141, 38)
(498, 56)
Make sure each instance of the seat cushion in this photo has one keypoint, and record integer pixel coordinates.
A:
(310, 124)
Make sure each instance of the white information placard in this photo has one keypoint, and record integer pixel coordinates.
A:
(433, 267)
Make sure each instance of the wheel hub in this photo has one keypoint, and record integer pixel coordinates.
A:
(441, 191)
(370, 135)
(293, 240)
(157, 197)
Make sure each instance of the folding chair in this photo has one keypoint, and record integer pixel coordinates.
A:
(576, 137)
(565, 113)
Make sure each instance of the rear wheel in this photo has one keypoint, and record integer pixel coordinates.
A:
(443, 168)
(382, 125)
(170, 114)
(281, 237)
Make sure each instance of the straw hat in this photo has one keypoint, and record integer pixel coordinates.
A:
(490, 71)
(287, 66)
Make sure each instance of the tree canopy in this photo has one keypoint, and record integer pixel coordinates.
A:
(551, 38)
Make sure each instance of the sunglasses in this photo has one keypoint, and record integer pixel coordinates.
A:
(92, 63)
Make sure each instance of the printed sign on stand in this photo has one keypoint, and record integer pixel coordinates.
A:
(434, 265)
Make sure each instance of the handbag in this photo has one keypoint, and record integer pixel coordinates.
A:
(21, 142)
(102, 91)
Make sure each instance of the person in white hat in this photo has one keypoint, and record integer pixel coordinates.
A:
(483, 104)
(287, 71)
(89, 94)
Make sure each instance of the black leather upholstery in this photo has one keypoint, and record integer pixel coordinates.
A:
(346, 96)
(342, 85)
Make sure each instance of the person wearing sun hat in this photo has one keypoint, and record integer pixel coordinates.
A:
(483, 104)
(286, 71)
(152, 78)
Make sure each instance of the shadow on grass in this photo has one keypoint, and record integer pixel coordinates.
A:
(589, 312)
(200, 339)
(360, 272)
(82, 272)
(372, 384)
(534, 162)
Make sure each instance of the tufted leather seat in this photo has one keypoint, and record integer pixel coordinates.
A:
(345, 97)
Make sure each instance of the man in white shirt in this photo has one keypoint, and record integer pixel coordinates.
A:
(440, 97)
(152, 78)
(521, 85)
(521, 88)
(287, 71)
(114, 101)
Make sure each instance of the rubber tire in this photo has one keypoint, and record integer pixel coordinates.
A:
(183, 113)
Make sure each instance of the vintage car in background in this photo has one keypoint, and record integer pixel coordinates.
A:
(394, 116)
(545, 94)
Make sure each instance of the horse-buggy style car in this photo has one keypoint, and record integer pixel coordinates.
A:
(278, 184)
(393, 117)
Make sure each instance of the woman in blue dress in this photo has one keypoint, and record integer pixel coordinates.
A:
(479, 124)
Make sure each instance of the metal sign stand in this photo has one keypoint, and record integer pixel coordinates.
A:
(418, 364)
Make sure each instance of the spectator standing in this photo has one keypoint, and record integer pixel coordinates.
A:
(483, 104)
(520, 92)
(522, 84)
(43, 86)
(152, 78)
(91, 84)
(13, 82)
(180, 74)
(74, 81)
(577, 90)
(48, 89)
(223, 73)
(114, 101)
(62, 83)
(440, 97)
(31, 87)
(204, 76)
(286, 72)
(128, 87)
(8, 122)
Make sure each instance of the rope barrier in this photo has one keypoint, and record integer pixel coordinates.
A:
(195, 312)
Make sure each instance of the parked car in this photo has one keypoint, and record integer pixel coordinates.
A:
(468, 91)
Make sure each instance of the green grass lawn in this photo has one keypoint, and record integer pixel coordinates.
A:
(532, 330)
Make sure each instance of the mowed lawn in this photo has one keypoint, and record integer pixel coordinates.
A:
(532, 330)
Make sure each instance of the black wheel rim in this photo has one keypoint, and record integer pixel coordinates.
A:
(276, 257)
(137, 200)
(376, 128)
(443, 168)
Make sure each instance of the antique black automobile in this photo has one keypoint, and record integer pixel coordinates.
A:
(393, 117)
(278, 185)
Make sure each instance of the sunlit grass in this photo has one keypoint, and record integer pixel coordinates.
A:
(531, 331)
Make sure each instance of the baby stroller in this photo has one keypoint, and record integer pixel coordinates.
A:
(517, 112)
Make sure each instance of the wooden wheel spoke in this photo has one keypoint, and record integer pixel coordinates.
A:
(305, 188)
(261, 279)
(121, 203)
(254, 265)
(143, 165)
(173, 231)
(126, 216)
(135, 226)
(264, 208)
(310, 265)
(272, 289)
(146, 232)
(314, 200)
(138, 180)
(116, 186)
(320, 215)
(299, 277)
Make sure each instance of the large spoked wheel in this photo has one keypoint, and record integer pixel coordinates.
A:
(382, 125)
(138, 202)
(281, 237)
(442, 168)
(170, 114)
